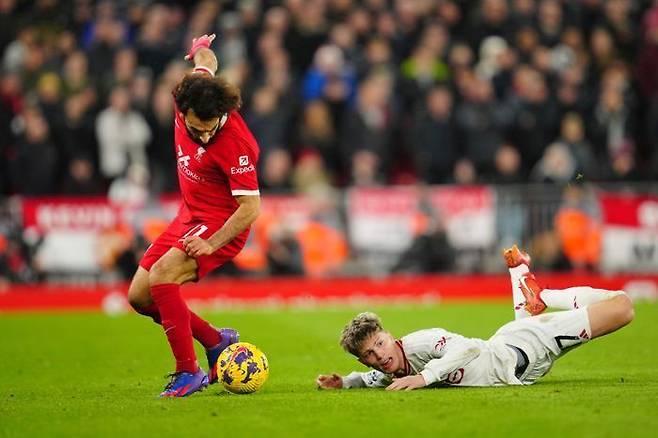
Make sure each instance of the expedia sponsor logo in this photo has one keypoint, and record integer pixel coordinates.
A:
(241, 170)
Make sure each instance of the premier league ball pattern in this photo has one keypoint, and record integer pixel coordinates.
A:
(242, 368)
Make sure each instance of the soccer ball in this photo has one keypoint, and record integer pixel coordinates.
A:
(242, 368)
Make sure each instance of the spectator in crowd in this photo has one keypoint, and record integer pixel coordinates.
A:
(573, 138)
(550, 21)
(612, 125)
(122, 135)
(481, 122)
(307, 33)
(276, 171)
(425, 67)
(160, 117)
(464, 172)
(108, 34)
(310, 172)
(77, 129)
(284, 254)
(368, 126)
(329, 77)
(536, 115)
(578, 227)
(322, 240)
(430, 251)
(75, 74)
(154, 50)
(493, 18)
(317, 132)
(542, 58)
(34, 168)
(267, 121)
(434, 138)
(81, 178)
(507, 168)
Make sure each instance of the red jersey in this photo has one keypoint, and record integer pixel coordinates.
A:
(211, 175)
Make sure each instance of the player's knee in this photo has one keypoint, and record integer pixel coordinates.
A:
(164, 271)
(625, 309)
(138, 296)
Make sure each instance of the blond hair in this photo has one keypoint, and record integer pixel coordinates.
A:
(359, 329)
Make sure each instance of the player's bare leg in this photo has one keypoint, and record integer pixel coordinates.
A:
(173, 267)
(610, 315)
(139, 293)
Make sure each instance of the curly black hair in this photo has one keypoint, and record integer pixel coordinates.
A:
(208, 97)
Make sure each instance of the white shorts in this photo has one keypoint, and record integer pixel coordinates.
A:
(544, 338)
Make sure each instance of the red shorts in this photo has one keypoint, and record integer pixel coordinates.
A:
(176, 232)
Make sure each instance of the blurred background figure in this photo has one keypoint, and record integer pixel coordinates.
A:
(122, 135)
(578, 226)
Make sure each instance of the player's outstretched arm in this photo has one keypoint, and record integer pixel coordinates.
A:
(204, 59)
(355, 379)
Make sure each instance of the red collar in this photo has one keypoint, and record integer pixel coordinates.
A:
(407, 366)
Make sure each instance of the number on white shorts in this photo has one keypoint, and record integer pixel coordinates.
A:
(194, 231)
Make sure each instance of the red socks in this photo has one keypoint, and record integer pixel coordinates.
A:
(202, 331)
(176, 324)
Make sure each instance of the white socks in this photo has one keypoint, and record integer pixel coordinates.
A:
(576, 297)
(562, 299)
(517, 295)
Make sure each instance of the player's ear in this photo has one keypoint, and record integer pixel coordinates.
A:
(362, 361)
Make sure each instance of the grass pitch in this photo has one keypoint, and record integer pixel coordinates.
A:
(93, 375)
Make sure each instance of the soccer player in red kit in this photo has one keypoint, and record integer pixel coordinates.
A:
(216, 157)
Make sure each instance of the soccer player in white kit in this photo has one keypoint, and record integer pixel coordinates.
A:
(519, 353)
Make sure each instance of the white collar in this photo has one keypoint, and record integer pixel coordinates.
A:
(222, 121)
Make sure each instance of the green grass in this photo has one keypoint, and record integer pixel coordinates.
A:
(92, 375)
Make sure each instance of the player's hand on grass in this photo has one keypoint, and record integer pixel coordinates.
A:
(329, 381)
(407, 383)
(203, 41)
(195, 246)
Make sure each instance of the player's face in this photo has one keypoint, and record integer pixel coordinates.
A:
(380, 352)
(201, 131)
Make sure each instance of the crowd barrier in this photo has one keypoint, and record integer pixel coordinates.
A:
(374, 231)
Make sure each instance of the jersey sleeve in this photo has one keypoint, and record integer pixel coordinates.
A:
(455, 353)
(371, 379)
(238, 161)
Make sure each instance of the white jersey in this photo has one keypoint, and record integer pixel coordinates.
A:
(451, 359)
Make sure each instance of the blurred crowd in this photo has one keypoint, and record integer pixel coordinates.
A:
(337, 92)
